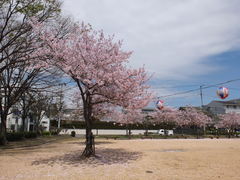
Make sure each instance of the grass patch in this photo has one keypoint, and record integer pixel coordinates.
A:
(34, 142)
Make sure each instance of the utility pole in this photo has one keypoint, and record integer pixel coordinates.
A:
(201, 95)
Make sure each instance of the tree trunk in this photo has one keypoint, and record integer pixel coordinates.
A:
(146, 130)
(90, 144)
(24, 115)
(229, 133)
(23, 128)
(87, 113)
(204, 130)
(165, 133)
(3, 132)
(129, 133)
(36, 127)
(197, 133)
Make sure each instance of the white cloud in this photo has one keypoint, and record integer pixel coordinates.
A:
(172, 38)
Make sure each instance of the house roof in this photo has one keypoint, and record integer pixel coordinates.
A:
(230, 102)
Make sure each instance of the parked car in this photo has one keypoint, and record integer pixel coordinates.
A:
(161, 132)
(165, 132)
(170, 132)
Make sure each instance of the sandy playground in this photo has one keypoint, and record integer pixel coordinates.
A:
(148, 159)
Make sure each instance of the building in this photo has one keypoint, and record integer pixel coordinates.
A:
(72, 115)
(15, 123)
(44, 123)
(222, 107)
(14, 120)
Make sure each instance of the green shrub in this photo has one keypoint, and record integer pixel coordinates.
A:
(104, 125)
(30, 134)
(15, 136)
(55, 131)
(1, 140)
(46, 133)
(237, 134)
(211, 137)
(73, 133)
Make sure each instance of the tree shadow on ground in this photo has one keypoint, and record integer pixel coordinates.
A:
(103, 157)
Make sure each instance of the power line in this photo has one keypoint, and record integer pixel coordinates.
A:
(179, 86)
(218, 84)
(202, 87)
(179, 93)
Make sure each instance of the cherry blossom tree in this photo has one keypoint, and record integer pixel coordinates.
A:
(167, 116)
(131, 116)
(98, 65)
(230, 121)
(193, 117)
(148, 120)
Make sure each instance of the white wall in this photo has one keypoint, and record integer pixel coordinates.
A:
(105, 131)
(231, 110)
(11, 120)
(45, 122)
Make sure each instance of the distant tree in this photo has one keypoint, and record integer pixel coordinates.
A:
(129, 117)
(229, 121)
(15, 32)
(166, 117)
(192, 117)
(148, 120)
(25, 103)
(15, 83)
(38, 109)
(17, 45)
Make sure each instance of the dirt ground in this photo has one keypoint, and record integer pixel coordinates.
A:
(163, 159)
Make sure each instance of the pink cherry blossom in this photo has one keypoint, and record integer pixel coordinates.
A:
(193, 117)
(229, 121)
(98, 65)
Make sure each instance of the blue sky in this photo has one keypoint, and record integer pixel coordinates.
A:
(183, 43)
(228, 62)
